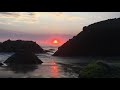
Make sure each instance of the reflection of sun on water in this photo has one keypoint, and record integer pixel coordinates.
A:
(54, 69)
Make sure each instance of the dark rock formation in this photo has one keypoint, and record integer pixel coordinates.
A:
(100, 69)
(98, 39)
(19, 45)
(0, 46)
(24, 57)
(1, 64)
(22, 68)
(50, 50)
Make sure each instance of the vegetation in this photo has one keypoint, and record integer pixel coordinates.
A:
(100, 69)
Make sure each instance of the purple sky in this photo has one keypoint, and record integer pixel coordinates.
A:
(45, 26)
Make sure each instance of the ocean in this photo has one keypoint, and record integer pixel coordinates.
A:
(52, 66)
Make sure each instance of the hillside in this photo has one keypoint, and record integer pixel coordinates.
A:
(98, 39)
(20, 45)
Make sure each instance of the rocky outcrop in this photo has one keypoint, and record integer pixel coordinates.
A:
(50, 50)
(1, 64)
(20, 45)
(24, 57)
(100, 69)
(98, 39)
(22, 68)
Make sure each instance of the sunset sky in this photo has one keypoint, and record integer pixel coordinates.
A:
(44, 27)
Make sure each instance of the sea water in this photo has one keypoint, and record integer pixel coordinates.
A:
(52, 67)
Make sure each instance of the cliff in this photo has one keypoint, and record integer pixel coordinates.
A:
(98, 39)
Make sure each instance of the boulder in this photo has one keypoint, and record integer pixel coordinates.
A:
(22, 68)
(23, 57)
(99, 69)
(50, 50)
(1, 64)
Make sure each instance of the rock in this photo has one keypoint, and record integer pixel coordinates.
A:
(19, 45)
(21, 68)
(1, 64)
(98, 39)
(47, 51)
(0, 46)
(99, 70)
(50, 50)
(24, 57)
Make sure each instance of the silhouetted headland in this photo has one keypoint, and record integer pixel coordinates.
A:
(20, 45)
(98, 39)
(23, 57)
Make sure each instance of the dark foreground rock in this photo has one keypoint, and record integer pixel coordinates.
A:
(100, 70)
(21, 68)
(1, 64)
(23, 58)
(19, 45)
(98, 39)
(50, 50)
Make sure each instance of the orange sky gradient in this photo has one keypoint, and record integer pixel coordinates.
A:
(50, 41)
(45, 27)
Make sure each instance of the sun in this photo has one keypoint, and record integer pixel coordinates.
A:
(55, 41)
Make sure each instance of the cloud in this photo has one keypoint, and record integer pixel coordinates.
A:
(75, 18)
(55, 13)
(31, 15)
(25, 17)
(41, 39)
(35, 17)
(8, 23)
(63, 16)
(9, 14)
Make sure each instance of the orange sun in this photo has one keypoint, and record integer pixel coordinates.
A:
(55, 42)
